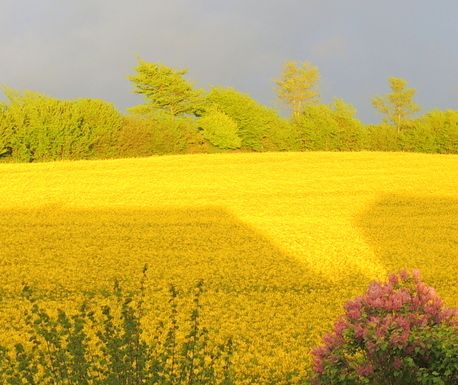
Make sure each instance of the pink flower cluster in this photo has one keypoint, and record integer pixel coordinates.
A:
(377, 327)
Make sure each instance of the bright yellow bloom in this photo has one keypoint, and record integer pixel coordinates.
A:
(282, 240)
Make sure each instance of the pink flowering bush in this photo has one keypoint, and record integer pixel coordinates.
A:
(397, 333)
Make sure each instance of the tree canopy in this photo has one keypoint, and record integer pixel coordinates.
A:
(220, 130)
(178, 118)
(165, 89)
(253, 119)
(297, 85)
(397, 106)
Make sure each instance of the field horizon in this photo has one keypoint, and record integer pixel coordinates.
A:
(282, 240)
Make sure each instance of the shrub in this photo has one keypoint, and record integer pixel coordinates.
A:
(281, 135)
(255, 121)
(441, 129)
(135, 138)
(381, 137)
(445, 126)
(158, 134)
(415, 136)
(107, 346)
(220, 130)
(333, 127)
(35, 127)
(169, 134)
(397, 333)
(100, 123)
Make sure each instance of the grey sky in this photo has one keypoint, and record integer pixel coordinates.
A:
(87, 48)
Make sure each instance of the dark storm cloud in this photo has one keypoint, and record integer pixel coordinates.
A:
(88, 47)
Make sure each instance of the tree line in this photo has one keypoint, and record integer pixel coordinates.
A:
(177, 118)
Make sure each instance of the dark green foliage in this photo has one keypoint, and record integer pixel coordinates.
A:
(158, 134)
(381, 138)
(442, 346)
(136, 137)
(106, 345)
(417, 137)
(441, 130)
(281, 135)
(445, 126)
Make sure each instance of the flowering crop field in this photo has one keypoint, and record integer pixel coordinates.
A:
(282, 240)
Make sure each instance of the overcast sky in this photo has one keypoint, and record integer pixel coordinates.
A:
(87, 48)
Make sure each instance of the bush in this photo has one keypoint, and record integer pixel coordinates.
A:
(159, 133)
(381, 137)
(106, 346)
(398, 333)
(445, 126)
(136, 137)
(415, 136)
(35, 127)
(435, 132)
(220, 130)
(100, 123)
(330, 128)
(281, 135)
(255, 122)
(441, 128)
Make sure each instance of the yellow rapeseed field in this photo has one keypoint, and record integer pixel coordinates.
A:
(281, 240)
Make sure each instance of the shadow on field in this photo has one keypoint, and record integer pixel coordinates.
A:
(415, 232)
(256, 293)
(66, 249)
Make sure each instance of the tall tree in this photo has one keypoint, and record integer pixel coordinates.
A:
(297, 85)
(397, 106)
(164, 89)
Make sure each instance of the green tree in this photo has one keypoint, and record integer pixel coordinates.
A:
(397, 106)
(36, 127)
(330, 127)
(297, 85)
(444, 124)
(220, 130)
(164, 89)
(381, 137)
(437, 131)
(255, 122)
